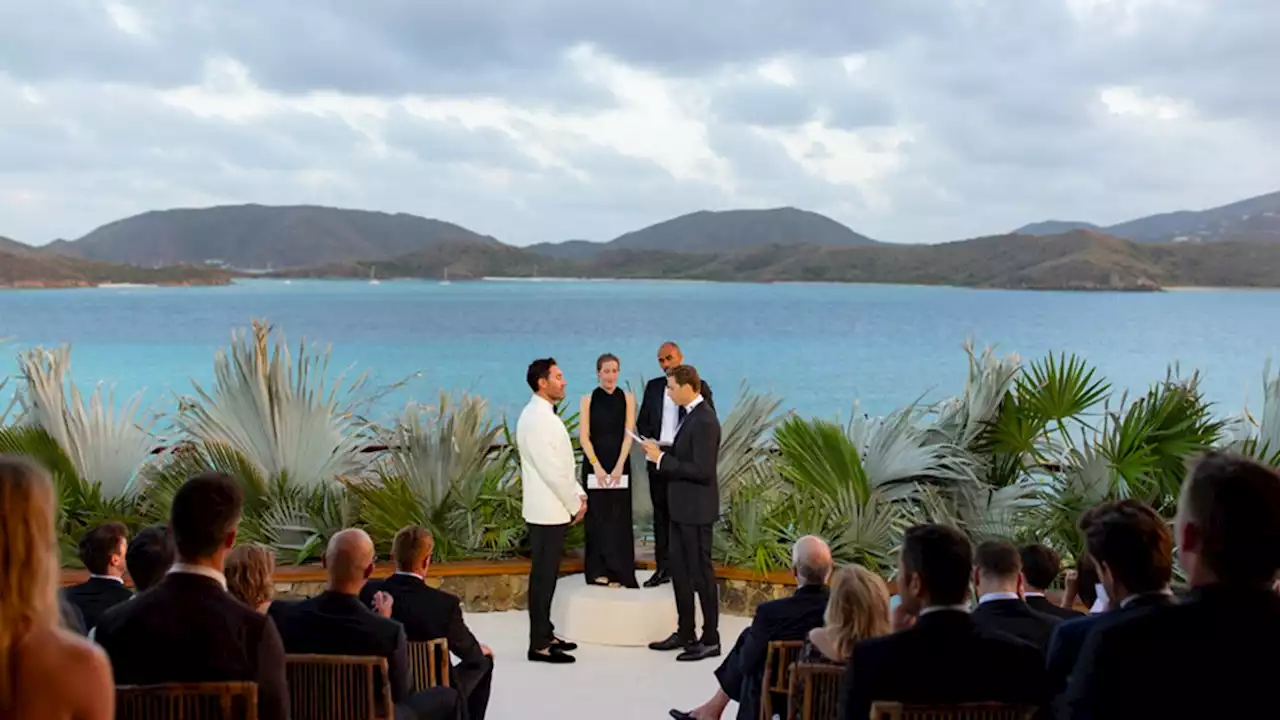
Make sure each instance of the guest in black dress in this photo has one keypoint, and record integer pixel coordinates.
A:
(607, 413)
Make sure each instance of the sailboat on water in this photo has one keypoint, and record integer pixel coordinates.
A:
(372, 279)
(445, 281)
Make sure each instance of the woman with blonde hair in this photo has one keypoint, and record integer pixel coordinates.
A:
(250, 573)
(46, 672)
(858, 609)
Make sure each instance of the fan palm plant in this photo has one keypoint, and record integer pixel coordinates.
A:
(1258, 436)
(744, 437)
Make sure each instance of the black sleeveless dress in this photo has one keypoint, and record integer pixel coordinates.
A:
(611, 549)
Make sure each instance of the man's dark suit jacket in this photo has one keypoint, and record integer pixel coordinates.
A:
(1211, 656)
(1016, 618)
(944, 658)
(1040, 603)
(789, 618)
(649, 419)
(189, 629)
(693, 490)
(1068, 637)
(95, 596)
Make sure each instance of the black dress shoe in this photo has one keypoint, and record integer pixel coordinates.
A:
(681, 715)
(660, 577)
(563, 645)
(698, 651)
(555, 657)
(673, 642)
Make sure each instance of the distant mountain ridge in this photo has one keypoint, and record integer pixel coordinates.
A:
(1256, 219)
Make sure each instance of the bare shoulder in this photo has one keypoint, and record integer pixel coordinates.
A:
(83, 653)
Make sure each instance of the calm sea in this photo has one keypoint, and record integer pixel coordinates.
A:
(819, 347)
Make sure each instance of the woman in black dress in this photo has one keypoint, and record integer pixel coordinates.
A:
(607, 414)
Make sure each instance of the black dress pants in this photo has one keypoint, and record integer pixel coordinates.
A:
(547, 544)
(661, 519)
(474, 683)
(692, 573)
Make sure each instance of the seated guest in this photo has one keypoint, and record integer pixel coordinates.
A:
(102, 551)
(741, 674)
(188, 628)
(942, 655)
(1133, 548)
(151, 553)
(250, 575)
(857, 610)
(70, 617)
(1214, 654)
(997, 575)
(1040, 567)
(335, 622)
(45, 671)
(427, 614)
(1082, 584)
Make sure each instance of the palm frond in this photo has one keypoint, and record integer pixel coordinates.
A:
(1056, 390)
(817, 457)
(743, 436)
(896, 453)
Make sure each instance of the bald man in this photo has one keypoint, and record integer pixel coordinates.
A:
(335, 622)
(741, 674)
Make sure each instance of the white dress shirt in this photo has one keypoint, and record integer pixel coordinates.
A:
(696, 401)
(670, 420)
(988, 597)
(181, 567)
(551, 491)
(106, 577)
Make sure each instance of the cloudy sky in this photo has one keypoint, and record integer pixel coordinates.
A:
(532, 120)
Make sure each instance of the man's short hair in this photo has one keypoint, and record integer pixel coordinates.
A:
(205, 509)
(1134, 542)
(150, 555)
(1040, 565)
(411, 546)
(99, 543)
(539, 369)
(687, 375)
(1235, 503)
(997, 559)
(942, 556)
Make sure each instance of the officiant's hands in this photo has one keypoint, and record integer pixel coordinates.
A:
(651, 451)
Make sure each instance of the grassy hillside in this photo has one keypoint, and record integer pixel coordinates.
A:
(28, 268)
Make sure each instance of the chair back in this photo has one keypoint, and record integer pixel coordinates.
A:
(815, 691)
(952, 711)
(352, 687)
(429, 663)
(778, 659)
(188, 701)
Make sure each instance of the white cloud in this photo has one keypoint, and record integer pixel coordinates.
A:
(1132, 101)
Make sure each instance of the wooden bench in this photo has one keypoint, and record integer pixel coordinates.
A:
(188, 701)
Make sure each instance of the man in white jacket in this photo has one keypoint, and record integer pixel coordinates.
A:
(553, 500)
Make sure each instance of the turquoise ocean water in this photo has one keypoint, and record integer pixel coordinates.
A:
(819, 347)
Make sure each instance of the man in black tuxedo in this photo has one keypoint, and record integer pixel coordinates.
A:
(741, 675)
(336, 622)
(658, 419)
(102, 551)
(693, 491)
(1041, 565)
(939, 654)
(1214, 654)
(151, 553)
(997, 575)
(427, 614)
(1133, 547)
(189, 628)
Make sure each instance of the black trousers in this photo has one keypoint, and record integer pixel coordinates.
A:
(691, 573)
(661, 519)
(474, 683)
(437, 703)
(547, 543)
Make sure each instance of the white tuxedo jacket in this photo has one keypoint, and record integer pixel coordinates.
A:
(552, 494)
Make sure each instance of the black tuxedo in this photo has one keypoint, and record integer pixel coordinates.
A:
(649, 425)
(742, 672)
(336, 624)
(1040, 603)
(95, 596)
(1217, 647)
(945, 658)
(693, 491)
(427, 614)
(189, 629)
(1068, 637)
(1016, 618)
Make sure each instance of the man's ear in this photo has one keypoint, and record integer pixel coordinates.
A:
(1190, 540)
(977, 577)
(230, 540)
(368, 570)
(1022, 584)
(324, 561)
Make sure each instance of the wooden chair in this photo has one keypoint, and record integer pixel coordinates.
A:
(351, 687)
(957, 711)
(815, 691)
(429, 663)
(188, 701)
(778, 659)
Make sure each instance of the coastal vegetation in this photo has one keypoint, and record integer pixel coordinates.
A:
(1018, 452)
(25, 267)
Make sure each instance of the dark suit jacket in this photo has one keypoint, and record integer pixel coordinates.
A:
(789, 618)
(95, 596)
(693, 488)
(649, 419)
(1016, 618)
(336, 624)
(189, 629)
(944, 658)
(426, 614)
(71, 618)
(1039, 603)
(1213, 655)
(1069, 636)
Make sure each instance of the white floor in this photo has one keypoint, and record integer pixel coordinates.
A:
(614, 683)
